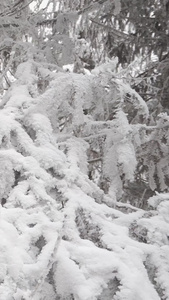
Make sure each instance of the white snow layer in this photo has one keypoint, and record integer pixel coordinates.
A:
(58, 238)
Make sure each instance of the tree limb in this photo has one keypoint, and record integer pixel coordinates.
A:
(115, 31)
(94, 160)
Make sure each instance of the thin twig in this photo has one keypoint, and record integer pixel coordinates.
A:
(94, 160)
(142, 197)
(116, 32)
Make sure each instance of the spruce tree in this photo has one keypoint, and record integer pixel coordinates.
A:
(71, 144)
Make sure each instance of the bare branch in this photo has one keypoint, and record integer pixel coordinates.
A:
(94, 160)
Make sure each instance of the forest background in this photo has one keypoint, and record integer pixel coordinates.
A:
(84, 150)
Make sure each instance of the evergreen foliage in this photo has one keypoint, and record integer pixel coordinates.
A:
(80, 154)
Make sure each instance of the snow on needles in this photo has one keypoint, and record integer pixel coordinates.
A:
(59, 238)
